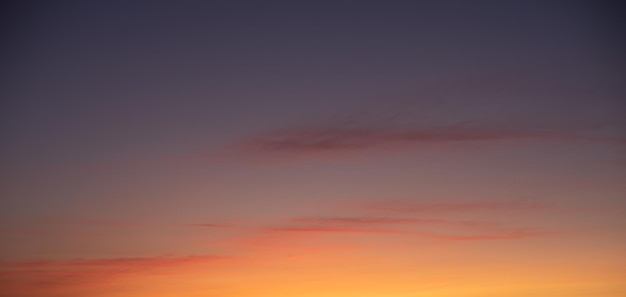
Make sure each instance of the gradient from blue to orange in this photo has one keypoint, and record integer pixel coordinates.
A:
(434, 149)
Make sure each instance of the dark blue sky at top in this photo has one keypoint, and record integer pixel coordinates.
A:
(104, 80)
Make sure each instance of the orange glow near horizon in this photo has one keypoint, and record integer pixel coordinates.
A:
(325, 267)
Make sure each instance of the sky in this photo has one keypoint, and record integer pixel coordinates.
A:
(336, 149)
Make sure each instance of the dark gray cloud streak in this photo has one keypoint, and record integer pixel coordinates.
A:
(332, 140)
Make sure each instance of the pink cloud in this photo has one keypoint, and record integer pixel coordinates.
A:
(437, 229)
(450, 207)
(356, 221)
(477, 234)
(61, 277)
(399, 218)
(120, 223)
(505, 235)
(360, 220)
(330, 230)
(209, 225)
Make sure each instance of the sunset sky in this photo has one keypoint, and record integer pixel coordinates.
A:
(337, 149)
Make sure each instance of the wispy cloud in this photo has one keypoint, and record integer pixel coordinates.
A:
(504, 235)
(120, 223)
(48, 277)
(128, 264)
(340, 140)
(450, 207)
(404, 218)
(209, 225)
(476, 234)
(389, 221)
(333, 229)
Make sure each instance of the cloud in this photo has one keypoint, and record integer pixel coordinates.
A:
(120, 223)
(333, 229)
(44, 277)
(428, 228)
(450, 207)
(358, 220)
(343, 140)
(128, 264)
(208, 225)
(89, 222)
(506, 235)
(477, 234)
(365, 221)
(428, 220)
